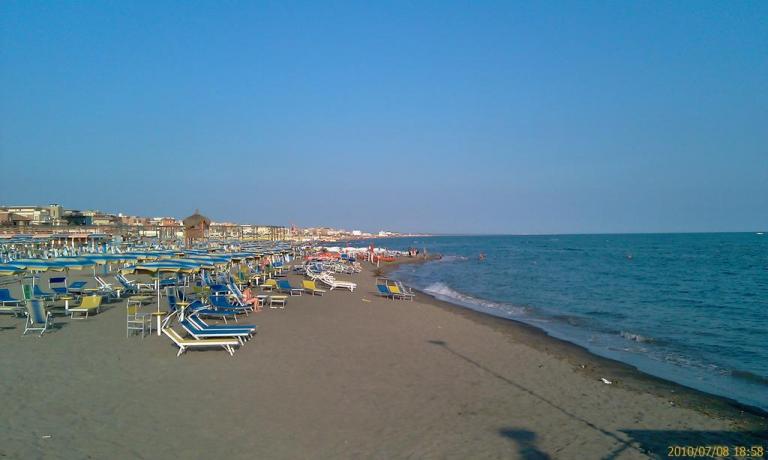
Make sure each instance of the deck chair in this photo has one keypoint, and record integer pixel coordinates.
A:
(26, 292)
(311, 287)
(284, 285)
(58, 284)
(136, 321)
(88, 305)
(38, 319)
(186, 344)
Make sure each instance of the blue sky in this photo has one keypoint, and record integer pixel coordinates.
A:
(454, 117)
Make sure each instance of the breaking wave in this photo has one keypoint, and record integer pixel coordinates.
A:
(448, 294)
(636, 337)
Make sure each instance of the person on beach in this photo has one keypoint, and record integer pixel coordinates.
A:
(251, 299)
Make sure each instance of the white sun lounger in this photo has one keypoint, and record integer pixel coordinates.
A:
(185, 344)
(333, 283)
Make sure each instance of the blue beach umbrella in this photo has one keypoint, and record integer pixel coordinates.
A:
(163, 266)
(10, 270)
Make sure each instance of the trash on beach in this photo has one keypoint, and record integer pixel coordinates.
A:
(366, 300)
(605, 381)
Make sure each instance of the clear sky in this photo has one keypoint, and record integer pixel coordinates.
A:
(454, 117)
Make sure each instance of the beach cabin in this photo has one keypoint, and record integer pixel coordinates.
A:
(196, 228)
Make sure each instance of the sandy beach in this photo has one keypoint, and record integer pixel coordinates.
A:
(345, 375)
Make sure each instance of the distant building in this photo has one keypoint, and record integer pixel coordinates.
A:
(33, 215)
(10, 219)
(196, 228)
(77, 218)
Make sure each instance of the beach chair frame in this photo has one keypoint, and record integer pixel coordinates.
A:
(37, 315)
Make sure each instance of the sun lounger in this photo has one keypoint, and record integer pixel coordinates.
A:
(40, 294)
(38, 319)
(133, 287)
(200, 324)
(186, 344)
(221, 302)
(105, 288)
(88, 305)
(202, 310)
(76, 287)
(240, 334)
(311, 287)
(277, 301)
(284, 285)
(5, 297)
(384, 291)
(333, 283)
(395, 290)
(269, 285)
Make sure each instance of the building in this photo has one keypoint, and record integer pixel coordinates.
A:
(34, 215)
(196, 228)
(10, 219)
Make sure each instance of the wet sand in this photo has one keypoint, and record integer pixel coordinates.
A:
(346, 375)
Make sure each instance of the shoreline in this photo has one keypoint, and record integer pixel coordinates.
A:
(622, 374)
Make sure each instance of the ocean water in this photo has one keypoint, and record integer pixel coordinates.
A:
(691, 308)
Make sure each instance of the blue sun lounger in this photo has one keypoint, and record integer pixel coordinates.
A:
(284, 285)
(202, 325)
(220, 302)
(77, 287)
(202, 310)
(39, 293)
(384, 291)
(5, 297)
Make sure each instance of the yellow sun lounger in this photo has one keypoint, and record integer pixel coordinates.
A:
(311, 287)
(269, 285)
(185, 344)
(395, 290)
(89, 304)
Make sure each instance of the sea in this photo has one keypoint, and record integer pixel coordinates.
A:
(690, 308)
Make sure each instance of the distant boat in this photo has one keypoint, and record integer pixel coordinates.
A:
(760, 233)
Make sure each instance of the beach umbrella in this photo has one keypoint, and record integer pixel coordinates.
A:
(107, 259)
(35, 266)
(163, 266)
(10, 270)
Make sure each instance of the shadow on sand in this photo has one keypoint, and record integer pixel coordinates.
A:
(650, 442)
(526, 443)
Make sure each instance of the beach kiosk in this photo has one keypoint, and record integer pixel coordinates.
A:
(196, 228)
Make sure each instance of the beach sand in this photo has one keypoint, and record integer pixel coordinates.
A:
(346, 375)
